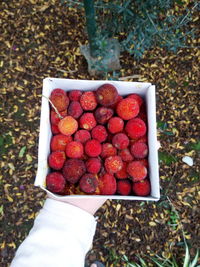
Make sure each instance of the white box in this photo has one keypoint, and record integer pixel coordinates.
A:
(146, 90)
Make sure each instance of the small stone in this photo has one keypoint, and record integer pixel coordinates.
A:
(188, 160)
(158, 145)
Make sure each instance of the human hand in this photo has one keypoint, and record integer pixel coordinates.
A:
(90, 205)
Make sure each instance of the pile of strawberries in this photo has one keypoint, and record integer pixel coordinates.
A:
(99, 144)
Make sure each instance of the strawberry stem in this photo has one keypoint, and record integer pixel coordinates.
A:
(57, 112)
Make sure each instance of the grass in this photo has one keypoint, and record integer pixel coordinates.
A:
(161, 261)
(157, 260)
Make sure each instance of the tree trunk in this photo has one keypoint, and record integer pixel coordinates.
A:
(91, 26)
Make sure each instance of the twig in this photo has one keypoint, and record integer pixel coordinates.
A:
(129, 77)
(188, 13)
(64, 71)
(53, 107)
(171, 180)
(157, 31)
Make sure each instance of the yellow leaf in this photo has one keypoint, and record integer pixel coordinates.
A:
(32, 216)
(8, 44)
(118, 207)
(188, 236)
(152, 223)
(9, 198)
(3, 245)
(11, 166)
(43, 8)
(28, 157)
(12, 245)
(19, 68)
(33, 2)
(41, 34)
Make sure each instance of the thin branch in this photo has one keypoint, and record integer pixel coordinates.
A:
(64, 71)
(188, 13)
(157, 29)
(53, 107)
(129, 77)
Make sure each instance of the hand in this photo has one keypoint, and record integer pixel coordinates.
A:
(90, 205)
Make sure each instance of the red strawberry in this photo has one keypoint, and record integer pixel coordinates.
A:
(55, 182)
(59, 142)
(59, 99)
(75, 110)
(99, 133)
(93, 165)
(120, 141)
(125, 154)
(93, 148)
(88, 100)
(55, 118)
(103, 114)
(106, 95)
(82, 136)
(137, 98)
(137, 171)
(124, 187)
(142, 188)
(73, 170)
(88, 183)
(139, 150)
(74, 95)
(122, 174)
(127, 108)
(113, 164)
(74, 150)
(56, 160)
(54, 129)
(107, 184)
(108, 150)
(115, 125)
(144, 162)
(135, 128)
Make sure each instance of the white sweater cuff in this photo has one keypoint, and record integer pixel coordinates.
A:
(61, 236)
(66, 214)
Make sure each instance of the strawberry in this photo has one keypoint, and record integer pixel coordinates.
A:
(124, 187)
(55, 182)
(142, 188)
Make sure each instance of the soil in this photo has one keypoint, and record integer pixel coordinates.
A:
(41, 39)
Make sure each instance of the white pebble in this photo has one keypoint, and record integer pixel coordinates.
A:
(188, 160)
(158, 145)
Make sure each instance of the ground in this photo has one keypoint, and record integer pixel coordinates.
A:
(41, 39)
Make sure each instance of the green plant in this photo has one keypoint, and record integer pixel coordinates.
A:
(163, 128)
(194, 146)
(112, 256)
(142, 25)
(171, 260)
(5, 142)
(173, 218)
(166, 158)
(134, 264)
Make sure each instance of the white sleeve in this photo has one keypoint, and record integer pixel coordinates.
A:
(61, 236)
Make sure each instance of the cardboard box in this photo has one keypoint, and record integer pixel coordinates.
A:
(146, 90)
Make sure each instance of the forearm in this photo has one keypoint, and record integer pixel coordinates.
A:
(61, 236)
